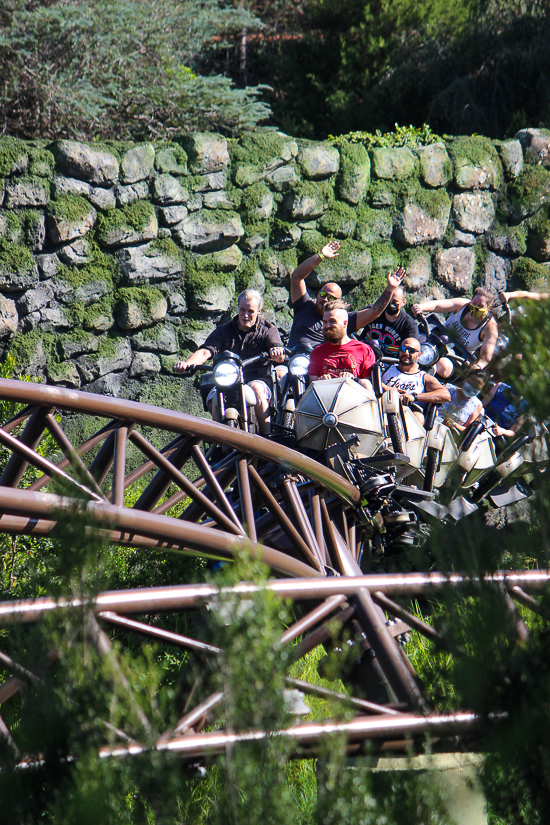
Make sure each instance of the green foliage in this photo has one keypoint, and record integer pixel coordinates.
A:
(12, 151)
(121, 69)
(410, 136)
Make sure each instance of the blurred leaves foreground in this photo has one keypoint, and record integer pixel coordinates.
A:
(88, 687)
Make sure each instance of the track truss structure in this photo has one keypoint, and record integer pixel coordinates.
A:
(207, 490)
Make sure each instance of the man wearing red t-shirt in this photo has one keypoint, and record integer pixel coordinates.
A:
(340, 356)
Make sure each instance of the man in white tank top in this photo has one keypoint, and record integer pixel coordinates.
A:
(412, 383)
(470, 323)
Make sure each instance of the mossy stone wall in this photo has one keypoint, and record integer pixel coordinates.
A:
(118, 259)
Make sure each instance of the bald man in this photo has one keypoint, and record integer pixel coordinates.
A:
(307, 327)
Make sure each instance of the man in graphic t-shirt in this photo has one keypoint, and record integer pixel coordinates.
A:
(307, 327)
(340, 356)
(389, 329)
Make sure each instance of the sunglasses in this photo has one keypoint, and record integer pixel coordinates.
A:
(327, 295)
(410, 350)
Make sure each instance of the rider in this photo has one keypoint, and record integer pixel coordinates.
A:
(470, 323)
(247, 335)
(412, 383)
(340, 356)
(307, 327)
(389, 329)
(464, 406)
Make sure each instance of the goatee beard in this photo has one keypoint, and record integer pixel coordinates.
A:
(332, 336)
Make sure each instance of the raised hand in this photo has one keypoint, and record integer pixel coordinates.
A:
(330, 250)
(395, 278)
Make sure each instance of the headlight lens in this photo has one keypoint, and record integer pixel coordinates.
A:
(299, 365)
(226, 373)
(429, 355)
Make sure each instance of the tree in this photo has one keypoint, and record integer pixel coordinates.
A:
(118, 69)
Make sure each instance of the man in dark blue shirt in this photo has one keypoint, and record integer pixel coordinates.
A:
(307, 327)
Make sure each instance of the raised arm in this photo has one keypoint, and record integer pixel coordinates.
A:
(489, 337)
(365, 316)
(445, 305)
(520, 294)
(297, 279)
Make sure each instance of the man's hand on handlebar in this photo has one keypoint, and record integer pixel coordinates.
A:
(183, 368)
(277, 354)
(416, 310)
(407, 397)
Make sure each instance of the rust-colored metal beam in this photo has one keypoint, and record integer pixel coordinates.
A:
(360, 729)
(30, 439)
(396, 610)
(199, 428)
(158, 633)
(350, 701)
(71, 454)
(247, 505)
(193, 596)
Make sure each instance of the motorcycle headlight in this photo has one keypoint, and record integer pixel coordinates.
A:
(298, 365)
(429, 355)
(226, 373)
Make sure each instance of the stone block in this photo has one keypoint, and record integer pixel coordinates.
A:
(168, 190)
(177, 305)
(145, 366)
(392, 164)
(373, 225)
(64, 375)
(108, 384)
(474, 211)
(112, 358)
(436, 168)
(352, 266)
(536, 145)
(529, 191)
(214, 299)
(424, 221)
(457, 238)
(66, 228)
(454, 268)
(282, 177)
(47, 265)
(418, 266)
(218, 200)
(496, 272)
(476, 163)
(22, 192)
(148, 264)
(33, 300)
(206, 151)
(137, 163)
(171, 160)
(78, 344)
(125, 233)
(139, 308)
(102, 199)
(209, 230)
(131, 193)
(316, 160)
(9, 318)
(509, 241)
(75, 253)
(158, 339)
(78, 160)
(306, 202)
(18, 270)
(353, 179)
(69, 186)
(173, 215)
(511, 156)
(54, 318)
(214, 182)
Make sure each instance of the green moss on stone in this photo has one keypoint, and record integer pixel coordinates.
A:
(12, 227)
(367, 291)
(166, 247)
(249, 275)
(384, 256)
(476, 151)
(145, 298)
(311, 242)
(90, 315)
(15, 258)
(258, 148)
(373, 225)
(41, 163)
(11, 150)
(251, 198)
(435, 202)
(533, 276)
(62, 372)
(102, 267)
(71, 208)
(530, 189)
(339, 221)
(24, 348)
(135, 215)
